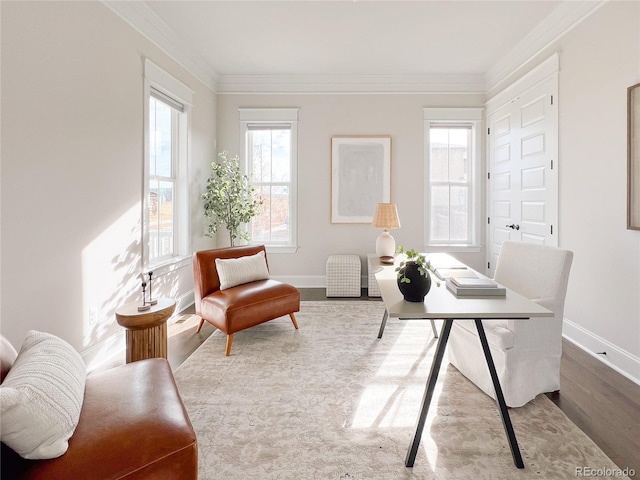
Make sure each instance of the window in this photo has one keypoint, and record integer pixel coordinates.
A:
(452, 155)
(269, 154)
(165, 215)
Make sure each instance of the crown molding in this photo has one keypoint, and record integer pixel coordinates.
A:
(560, 21)
(566, 16)
(350, 84)
(148, 23)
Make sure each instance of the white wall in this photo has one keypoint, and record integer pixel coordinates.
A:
(320, 117)
(72, 156)
(599, 59)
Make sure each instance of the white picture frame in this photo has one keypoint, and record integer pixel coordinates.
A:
(360, 176)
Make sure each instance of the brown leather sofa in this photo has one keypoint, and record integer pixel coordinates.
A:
(244, 305)
(133, 425)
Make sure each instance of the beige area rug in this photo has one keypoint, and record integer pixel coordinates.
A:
(331, 401)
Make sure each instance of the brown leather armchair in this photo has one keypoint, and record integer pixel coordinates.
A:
(132, 425)
(244, 305)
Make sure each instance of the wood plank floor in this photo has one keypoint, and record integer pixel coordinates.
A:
(601, 402)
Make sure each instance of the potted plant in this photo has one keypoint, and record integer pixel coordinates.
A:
(230, 199)
(414, 280)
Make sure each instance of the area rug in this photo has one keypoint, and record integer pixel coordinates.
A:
(332, 401)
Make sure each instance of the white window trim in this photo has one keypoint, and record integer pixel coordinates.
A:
(471, 116)
(274, 116)
(156, 77)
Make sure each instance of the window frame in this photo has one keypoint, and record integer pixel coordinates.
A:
(155, 78)
(451, 117)
(250, 118)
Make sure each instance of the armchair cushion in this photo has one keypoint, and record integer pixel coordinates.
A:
(42, 396)
(236, 271)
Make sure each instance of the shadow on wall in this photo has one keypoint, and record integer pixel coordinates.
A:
(111, 276)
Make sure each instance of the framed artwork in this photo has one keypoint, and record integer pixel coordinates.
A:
(633, 154)
(360, 177)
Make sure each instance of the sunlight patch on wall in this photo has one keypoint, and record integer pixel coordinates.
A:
(111, 267)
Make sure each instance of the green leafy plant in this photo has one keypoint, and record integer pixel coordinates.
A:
(230, 199)
(413, 256)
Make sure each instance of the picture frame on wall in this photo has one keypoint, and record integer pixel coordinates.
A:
(360, 176)
(633, 154)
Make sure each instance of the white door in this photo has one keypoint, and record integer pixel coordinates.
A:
(523, 173)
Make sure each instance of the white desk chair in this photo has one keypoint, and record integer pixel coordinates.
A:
(526, 352)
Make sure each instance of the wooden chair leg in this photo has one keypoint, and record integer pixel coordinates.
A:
(293, 319)
(200, 325)
(229, 342)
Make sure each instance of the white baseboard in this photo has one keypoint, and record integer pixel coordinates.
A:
(620, 360)
(183, 301)
(311, 281)
(104, 351)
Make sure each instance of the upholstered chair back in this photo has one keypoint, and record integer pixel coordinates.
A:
(206, 280)
(538, 272)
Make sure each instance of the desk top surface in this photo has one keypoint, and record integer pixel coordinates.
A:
(440, 303)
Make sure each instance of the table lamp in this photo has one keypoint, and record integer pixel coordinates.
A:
(386, 217)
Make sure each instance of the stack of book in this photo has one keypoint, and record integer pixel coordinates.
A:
(466, 286)
(450, 273)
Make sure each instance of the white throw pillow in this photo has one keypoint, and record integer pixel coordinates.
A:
(235, 271)
(41, 397)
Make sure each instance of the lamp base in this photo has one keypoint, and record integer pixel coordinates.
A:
(385, 245)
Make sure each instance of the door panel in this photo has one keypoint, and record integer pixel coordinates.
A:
(523, 182)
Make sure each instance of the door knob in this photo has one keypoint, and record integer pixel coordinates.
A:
(513, 226)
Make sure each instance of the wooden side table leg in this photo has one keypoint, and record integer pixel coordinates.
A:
(147, 343)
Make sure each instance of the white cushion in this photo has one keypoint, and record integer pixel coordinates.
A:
(8, 355)
(236, 271)
(41, 397)
(497, 331)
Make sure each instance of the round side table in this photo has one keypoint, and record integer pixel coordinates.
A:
(147, 330)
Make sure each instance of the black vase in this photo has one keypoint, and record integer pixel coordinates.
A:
(418, 287)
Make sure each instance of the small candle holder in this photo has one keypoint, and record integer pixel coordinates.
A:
(151, 301)
(145, 305)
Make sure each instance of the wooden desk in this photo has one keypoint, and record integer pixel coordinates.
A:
(440, 303)
(147, 330)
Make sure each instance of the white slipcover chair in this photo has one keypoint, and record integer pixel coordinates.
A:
(526, 353)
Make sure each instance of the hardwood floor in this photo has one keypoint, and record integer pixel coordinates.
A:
(601, 402)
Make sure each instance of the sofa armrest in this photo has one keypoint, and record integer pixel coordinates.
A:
(133, 425)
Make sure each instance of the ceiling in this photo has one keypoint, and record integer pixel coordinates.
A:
(410, 45)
